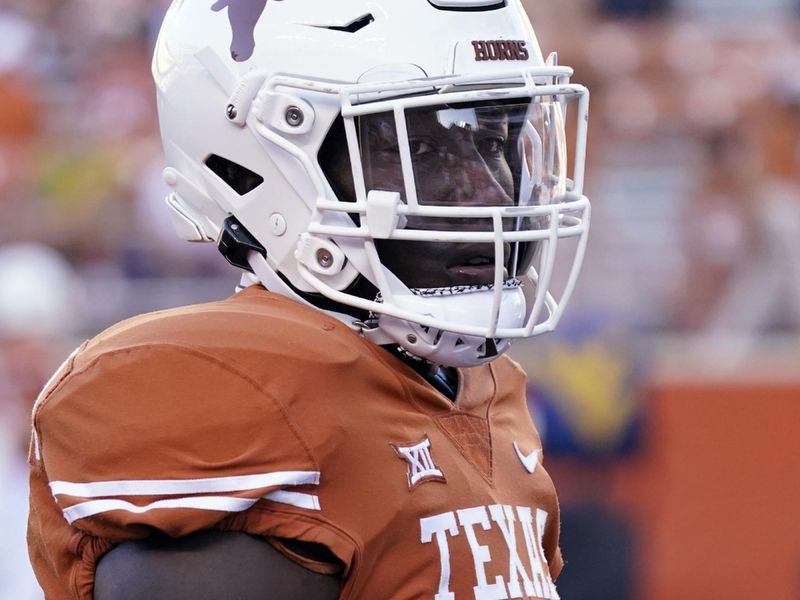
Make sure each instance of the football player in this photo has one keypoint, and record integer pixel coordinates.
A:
(392, 177)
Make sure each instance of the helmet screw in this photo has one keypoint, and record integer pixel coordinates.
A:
(324, 258)
(294, 116)
(231, 112)
(412, 339)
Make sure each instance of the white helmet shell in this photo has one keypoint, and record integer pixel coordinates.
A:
(248, 91)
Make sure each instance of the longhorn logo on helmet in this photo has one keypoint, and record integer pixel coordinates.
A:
(244, 16)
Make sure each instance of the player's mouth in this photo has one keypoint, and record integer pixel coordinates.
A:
(475, 264)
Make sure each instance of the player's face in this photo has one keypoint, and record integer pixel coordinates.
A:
(460, 158)
(454, 165)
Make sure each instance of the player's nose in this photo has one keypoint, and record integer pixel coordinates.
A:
(475, 185)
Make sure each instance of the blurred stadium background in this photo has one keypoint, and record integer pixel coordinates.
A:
(670, 398)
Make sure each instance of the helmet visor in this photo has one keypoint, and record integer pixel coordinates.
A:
(493, 154)
(477, 154)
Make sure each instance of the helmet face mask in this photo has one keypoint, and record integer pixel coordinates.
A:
(458, 198)
(504, 154)
(448, 193)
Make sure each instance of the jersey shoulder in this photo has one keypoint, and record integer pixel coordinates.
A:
(173, 420)
(251, 320)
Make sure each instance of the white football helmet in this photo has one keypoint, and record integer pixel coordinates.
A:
(401, 164)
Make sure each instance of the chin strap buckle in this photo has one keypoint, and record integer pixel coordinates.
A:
(236, 243)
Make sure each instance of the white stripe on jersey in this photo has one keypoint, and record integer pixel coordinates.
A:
(220, 503)
(297, 499)
(169, 487)
(95, 507)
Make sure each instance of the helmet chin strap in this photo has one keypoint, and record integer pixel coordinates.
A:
(437, 346)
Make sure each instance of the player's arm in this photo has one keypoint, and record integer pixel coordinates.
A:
(204, 566)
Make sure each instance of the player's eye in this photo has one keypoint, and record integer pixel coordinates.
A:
(491, 146)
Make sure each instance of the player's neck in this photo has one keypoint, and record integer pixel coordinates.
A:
(443, 379)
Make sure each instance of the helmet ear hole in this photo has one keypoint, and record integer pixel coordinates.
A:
(240, 179)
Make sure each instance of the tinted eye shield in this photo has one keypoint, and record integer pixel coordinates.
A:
(458, 106)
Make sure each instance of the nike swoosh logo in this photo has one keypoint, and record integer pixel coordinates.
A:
(530, 461)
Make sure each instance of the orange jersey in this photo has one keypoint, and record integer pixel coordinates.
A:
(260, 415)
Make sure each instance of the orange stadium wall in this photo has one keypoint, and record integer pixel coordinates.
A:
(715, 494)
